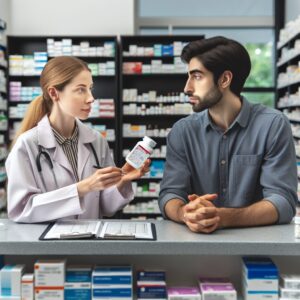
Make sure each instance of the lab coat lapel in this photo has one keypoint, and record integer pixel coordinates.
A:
(47, 139)
(86, 136)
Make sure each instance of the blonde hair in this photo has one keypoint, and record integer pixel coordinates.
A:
(57, 73)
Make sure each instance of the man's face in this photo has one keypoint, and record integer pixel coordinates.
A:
(200, 87)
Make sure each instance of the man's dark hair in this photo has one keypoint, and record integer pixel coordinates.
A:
(219, 54)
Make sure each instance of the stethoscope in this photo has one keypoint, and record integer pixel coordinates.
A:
(47, 157)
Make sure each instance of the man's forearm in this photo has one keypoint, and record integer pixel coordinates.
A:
(259, 213)
(173, 210)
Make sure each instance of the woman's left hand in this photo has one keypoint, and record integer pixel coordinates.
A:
(132, 174)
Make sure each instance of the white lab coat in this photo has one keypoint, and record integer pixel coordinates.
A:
(28, 200)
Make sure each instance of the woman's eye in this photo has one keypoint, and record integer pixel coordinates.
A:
(81, 90)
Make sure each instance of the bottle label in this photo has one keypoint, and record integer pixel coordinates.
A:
(137, 157)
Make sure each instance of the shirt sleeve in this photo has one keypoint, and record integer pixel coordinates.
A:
(111, 198)
(26, 201)
(279, 171)
(176, 182)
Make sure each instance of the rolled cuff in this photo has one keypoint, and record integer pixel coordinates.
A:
(166, 198)
(285, 210)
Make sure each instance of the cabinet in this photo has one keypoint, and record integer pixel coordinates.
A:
(183, 254)
(27, 56)
(288, 81)
(152, 81)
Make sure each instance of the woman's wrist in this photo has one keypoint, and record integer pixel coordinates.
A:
(82, 188)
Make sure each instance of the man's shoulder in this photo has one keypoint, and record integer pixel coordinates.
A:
(268, 114)
(195, 119)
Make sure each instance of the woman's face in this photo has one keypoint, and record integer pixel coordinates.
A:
(76, 98)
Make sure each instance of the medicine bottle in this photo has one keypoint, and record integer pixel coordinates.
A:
(139, 154)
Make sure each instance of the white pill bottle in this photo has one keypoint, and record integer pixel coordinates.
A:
(141, 151)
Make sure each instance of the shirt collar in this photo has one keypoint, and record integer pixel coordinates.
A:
(242, 118)
(63, 140)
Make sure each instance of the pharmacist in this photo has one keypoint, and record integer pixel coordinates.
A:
(59, 167)
(231, 163)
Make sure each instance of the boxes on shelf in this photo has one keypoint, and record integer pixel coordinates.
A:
(10, 276)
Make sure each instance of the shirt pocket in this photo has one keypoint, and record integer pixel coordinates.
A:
(246, 176)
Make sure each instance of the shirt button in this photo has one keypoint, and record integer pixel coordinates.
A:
(223, 162)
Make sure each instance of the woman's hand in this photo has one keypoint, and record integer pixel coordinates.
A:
(129, 173)
(100, 180)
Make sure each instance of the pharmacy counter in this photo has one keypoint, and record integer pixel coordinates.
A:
(172, 239)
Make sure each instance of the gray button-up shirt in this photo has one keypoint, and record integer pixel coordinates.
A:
(254, 159)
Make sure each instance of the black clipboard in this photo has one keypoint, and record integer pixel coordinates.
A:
(96, 238)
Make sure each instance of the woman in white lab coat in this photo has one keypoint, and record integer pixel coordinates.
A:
(58, 167)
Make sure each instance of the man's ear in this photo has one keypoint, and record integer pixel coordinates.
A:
(225, 79)
(53, 93)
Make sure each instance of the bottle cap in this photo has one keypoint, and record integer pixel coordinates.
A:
(149, 141)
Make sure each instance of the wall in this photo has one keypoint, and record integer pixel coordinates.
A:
(5, 12)
(72, 17)
(292, 10)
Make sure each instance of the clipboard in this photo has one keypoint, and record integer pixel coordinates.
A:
(99, 230)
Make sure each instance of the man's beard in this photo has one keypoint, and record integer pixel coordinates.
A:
(212, 97)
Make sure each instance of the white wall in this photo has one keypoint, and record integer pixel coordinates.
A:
(72, 17)
(5, 12)
(292, 10)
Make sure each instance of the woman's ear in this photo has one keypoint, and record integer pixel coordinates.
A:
(225, 79)
(53, 93)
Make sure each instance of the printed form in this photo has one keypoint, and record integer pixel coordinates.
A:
(72, 229)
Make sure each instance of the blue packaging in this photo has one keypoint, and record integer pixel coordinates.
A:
(259, 268)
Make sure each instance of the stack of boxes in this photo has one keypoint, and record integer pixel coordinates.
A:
(156, 50)
(260, 279)
(19, 93)
(290, 287)
(66, 47)
(49, 279)
(11, 276)
(78, 283)
(151, 285)
(183, 293)
(27, 65)
(27, 287)
(112, 283)
(217, 289)
(103, 108)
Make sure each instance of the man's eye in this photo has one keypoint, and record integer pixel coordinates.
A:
(197, 76)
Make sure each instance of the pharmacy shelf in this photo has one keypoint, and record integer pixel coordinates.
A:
(162, 83)
(105, 86)
(172, 239)
(291, 83)
(288, 59)
(291, 38)
(288, 106)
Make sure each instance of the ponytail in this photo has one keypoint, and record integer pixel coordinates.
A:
(36, 110)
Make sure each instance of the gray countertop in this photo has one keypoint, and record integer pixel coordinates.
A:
(172, 239)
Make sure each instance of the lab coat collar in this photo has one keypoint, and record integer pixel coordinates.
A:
(47, 139)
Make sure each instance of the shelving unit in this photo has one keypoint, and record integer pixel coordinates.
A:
(288, 81)
(3, 115)
(105, 85)
(157, 68)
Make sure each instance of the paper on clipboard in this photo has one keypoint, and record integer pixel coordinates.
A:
(64, 229)
(96, 229)
(136, 230)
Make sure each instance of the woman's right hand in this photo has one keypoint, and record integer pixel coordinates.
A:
(100, 180)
